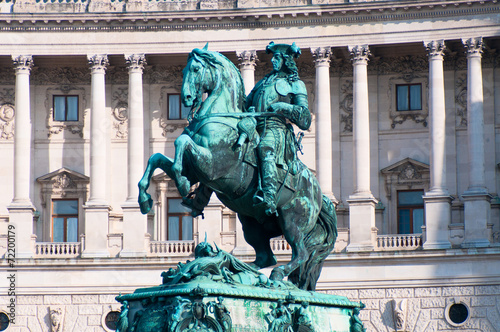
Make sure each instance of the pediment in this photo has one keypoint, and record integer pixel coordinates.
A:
(406, 170)
(63, 177)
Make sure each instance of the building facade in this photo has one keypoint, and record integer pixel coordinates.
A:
(405, 99)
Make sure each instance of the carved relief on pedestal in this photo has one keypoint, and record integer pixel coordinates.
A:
(400, 309)
(120, 113)
(74, 127)
(56, 319)
(7, 114)
(346, 105)
(461, 99)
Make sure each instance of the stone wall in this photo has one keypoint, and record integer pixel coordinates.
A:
(79, 312)
(423, 309)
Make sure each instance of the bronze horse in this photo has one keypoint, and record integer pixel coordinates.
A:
(217, 150)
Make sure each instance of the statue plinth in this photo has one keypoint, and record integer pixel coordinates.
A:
(217, 292)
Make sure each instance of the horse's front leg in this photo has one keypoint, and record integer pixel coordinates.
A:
(201, 159)
(157, 160)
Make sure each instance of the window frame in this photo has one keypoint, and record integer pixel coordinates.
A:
(180, 107)
(180, 216)
(65, 96)
(411, 208)
(65, 218)
(409, 98)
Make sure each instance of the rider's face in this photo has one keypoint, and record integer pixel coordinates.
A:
(277, 61)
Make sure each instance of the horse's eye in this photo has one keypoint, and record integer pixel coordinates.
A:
(196, 68)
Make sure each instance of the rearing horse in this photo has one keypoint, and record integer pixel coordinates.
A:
(210, 152)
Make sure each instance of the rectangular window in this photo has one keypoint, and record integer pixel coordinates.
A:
(410, 211)
(65, 220)
(180, 222)
(176, 110)
(65, 108)
(409, 97)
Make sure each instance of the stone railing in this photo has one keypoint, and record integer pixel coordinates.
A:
(399, 242)
(57, 249)
(279, 245)
(171, 248)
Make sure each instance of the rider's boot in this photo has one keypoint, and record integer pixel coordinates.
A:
(269, 185)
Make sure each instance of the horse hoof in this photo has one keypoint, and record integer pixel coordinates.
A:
(183, 186)
(277, 274)
(146, 204)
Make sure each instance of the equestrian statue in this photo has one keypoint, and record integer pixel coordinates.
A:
(245, 150)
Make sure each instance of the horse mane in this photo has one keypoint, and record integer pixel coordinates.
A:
(227, 73)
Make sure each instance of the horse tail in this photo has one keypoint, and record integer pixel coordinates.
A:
(319, 242)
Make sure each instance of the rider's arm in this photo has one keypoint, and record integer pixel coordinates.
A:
(297, 111)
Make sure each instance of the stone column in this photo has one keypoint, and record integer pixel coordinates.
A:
(21, 209)
(437, 200)
(321, 56)
(134, 222)
(361, 202)
(476, 197)
(247, 61)
(96, 208)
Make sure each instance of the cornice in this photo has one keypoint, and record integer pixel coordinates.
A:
(252, 18)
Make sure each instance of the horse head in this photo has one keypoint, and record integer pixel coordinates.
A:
(211, 72)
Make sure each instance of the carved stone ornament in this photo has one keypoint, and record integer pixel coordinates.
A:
(474, 46)
(360, 53)
(247, 59)
(135, 62)
(7, 114)
(22, 63)
(435, 48)
(171, 76)
(400, 309)
(321, 55)
(461, 99)
(346, 105)
(98, 62)
(407, 67)
(65, 77)
(63, 183)
(56, 315)
(407, 172)
(74, 127)
(120, 113)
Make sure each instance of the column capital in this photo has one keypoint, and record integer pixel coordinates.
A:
(135, 62)
(22, 63)
(474, 46)
(435, 49)
(321, 56)
(359, 53)
(98, 62)
(247, 59)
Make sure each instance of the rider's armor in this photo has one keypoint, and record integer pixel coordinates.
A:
(290, 105)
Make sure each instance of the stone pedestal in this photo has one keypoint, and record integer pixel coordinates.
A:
(134, 231)
(21, 217)
(361, 223)
(96, 231)
(476, 216)
(212, 228)
(438, 217)
(217, 306)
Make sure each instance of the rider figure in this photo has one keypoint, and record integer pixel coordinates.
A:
(280, 92)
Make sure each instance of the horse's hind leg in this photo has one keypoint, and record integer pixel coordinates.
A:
(255, 235)
(157, 160)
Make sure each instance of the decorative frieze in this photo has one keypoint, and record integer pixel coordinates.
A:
(62, 76)
(169, 75)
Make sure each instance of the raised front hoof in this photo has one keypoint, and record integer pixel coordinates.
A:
(277, 274)
(145, 203)
(183, 186)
